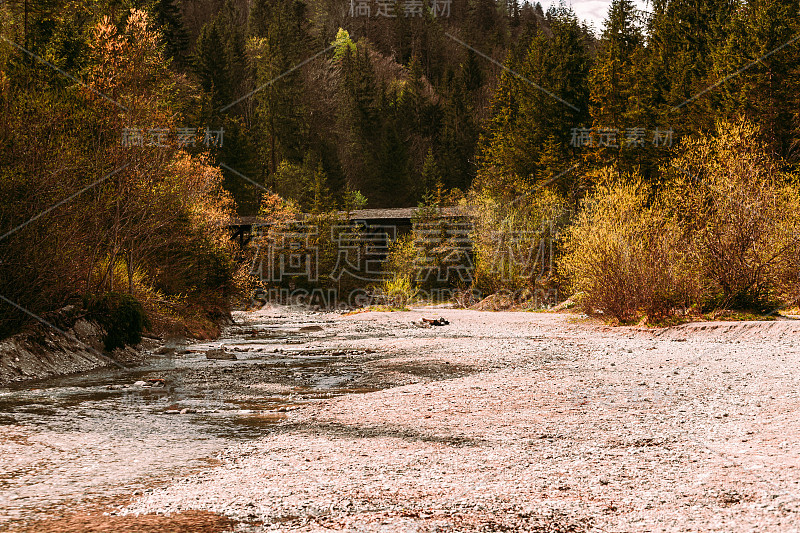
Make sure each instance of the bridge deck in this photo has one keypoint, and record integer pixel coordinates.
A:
(398, 213)
(401, 218)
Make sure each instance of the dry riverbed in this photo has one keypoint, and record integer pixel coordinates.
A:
(495, 422)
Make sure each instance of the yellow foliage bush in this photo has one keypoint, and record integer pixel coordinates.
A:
(742, 216)
(722, 233)
(514, 241)
(627, 256)
(399, 290)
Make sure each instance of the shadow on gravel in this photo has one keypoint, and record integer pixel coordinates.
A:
(431, 520)
(434, 370)
(347, 431)
(184, 522)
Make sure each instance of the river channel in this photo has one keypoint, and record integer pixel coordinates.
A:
(85, 438)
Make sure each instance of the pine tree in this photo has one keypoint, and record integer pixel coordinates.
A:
(167, 19)
(431, 176)
(458, 134)
(471, 72)
(681, 33)
(616, 101)
(760, 40)
(496, 151)
(222, 69)
(358, 120)
(393, 180)
(213, 65)
(546, 101)
(316, 197)
(279, 42)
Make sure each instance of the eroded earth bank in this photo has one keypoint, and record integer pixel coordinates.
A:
(372, 422)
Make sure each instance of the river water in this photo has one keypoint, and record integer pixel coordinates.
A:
(85, 438)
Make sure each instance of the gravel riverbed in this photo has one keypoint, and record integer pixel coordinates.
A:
(510, 422)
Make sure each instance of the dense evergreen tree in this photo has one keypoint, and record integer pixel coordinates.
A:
(680, 40)
(166, 18)
(621, 95)
(278, 42)
(762, 43)
(538, 103)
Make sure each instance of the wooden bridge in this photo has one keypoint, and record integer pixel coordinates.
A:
(400, 218)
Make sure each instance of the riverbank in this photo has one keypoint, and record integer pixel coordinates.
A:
(514, 421)
(43, 352)
(72, 340)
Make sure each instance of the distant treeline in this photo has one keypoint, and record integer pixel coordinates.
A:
(131, 130)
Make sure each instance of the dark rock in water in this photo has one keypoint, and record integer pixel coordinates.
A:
(220, 355)
(164, 350)
(306, 329)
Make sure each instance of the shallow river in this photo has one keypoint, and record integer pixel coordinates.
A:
(93, 436)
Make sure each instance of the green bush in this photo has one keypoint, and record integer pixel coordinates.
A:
(515, 241)
(399, 290)
(121, 315)
(402, 260)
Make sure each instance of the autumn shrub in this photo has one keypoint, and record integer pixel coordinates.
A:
(741, 214)
(440, 257)
(627, 256)
(402, 260)
(399, 290)
(514, 241)
(322, 253)
(435, 259)
(723, 232)
(98, 215)
(400, 268)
